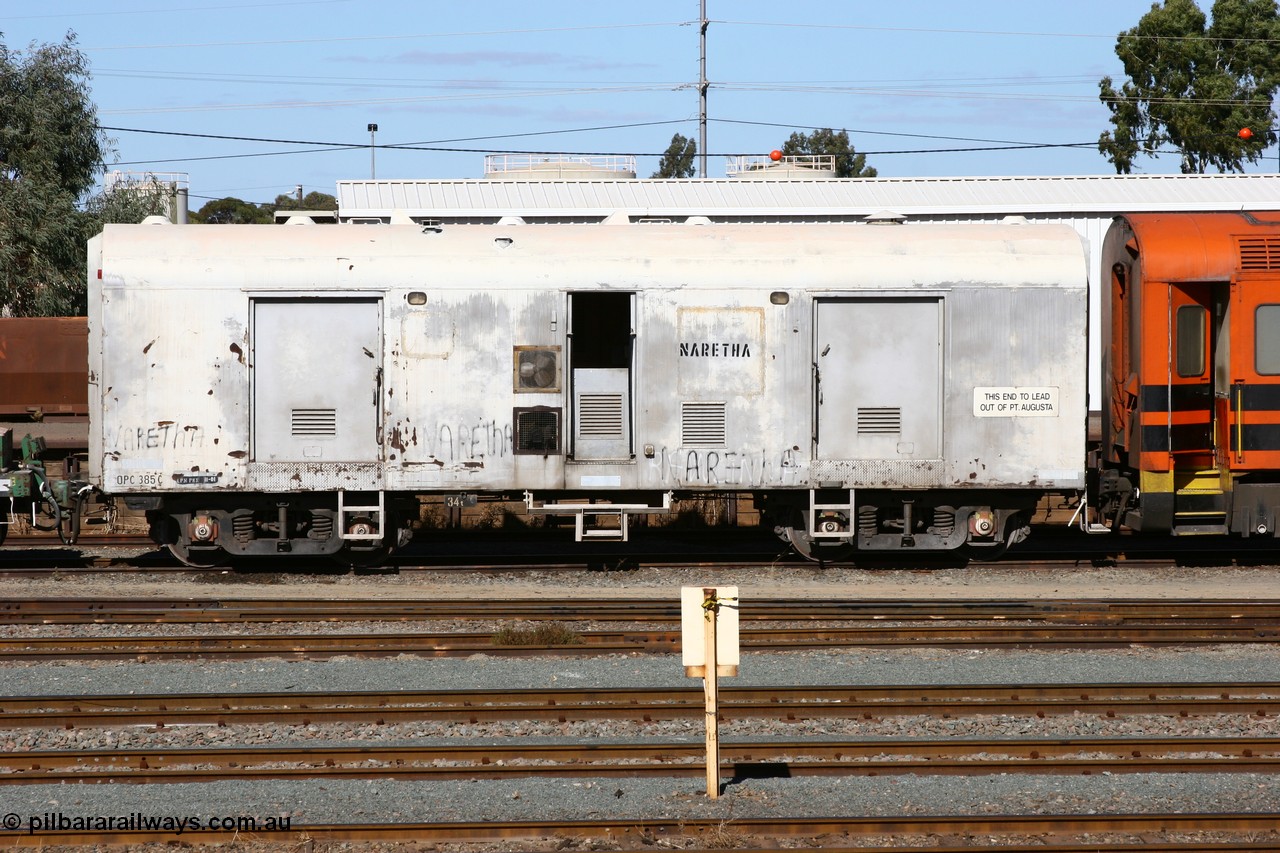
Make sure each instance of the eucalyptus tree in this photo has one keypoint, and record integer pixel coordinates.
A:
(825, 141)
(1195, 83)
(51, 152)
(677, 161)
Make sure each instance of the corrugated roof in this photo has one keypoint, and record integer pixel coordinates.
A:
(1103, 194)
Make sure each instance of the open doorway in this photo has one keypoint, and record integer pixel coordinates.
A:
(601, 343)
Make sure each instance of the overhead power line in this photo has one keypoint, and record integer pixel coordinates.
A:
(438, 146)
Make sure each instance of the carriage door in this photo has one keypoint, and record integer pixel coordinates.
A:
(878, 365)
(317, 377)
(1253, 404)
(601, 338)
(1185, 405)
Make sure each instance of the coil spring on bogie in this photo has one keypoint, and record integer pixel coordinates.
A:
(242, 527)
(868, 522)
(321, 526)
(944, 521)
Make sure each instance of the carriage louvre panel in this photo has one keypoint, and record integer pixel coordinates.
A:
(1259, 253)
(884, 420)
(702, 425)
(314, 422)
(600, 416)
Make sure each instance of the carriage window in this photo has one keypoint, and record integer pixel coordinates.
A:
(1267, 337)
(1191, 340)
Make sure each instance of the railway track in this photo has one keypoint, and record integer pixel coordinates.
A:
(754, 760)
(588, 628)
(640, 704)
(141, 610)
(1059, 833)
(315, 646)
(1051, 548)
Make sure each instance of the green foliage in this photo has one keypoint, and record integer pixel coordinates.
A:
(1195, 87)
(677, 162)
(131, 201)
(233, 211)
(825, 141)
(314, 200)
(50, 154)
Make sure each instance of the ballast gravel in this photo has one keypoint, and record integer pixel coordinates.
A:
(329, 801)
(343, 801)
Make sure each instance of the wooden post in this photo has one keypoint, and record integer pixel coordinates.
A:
(710, 685)
(703, 634)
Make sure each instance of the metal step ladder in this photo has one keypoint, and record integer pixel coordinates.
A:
(347, 514)
(1207, 522)
(597, 512)
(830, 528)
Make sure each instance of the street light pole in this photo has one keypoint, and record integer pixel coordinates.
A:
(373, 129)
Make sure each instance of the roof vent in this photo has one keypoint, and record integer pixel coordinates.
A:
(885, 217)
(1259, 253)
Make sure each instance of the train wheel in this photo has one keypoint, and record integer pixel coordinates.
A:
(809, 548)
(200, 558)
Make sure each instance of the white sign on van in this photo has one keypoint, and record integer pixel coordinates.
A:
(1016, 402)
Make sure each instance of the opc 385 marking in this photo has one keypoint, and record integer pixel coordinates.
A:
(137, 478)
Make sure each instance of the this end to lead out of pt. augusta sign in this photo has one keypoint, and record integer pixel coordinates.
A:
(1016, 402)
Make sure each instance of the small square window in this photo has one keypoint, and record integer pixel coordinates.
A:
(1266, 335)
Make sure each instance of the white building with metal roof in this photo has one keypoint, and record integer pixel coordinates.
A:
(792, 194)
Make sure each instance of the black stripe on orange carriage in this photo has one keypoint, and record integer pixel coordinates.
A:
(1253, 399)
(1176, 420)
(1253, 431)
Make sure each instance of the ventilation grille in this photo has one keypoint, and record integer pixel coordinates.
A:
(1259, 253)
(886, 420)
(537, 370)
(314, 422)
(537, 431)
(600, 416)
(702, 425)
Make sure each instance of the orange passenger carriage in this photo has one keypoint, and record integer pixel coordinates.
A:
(1191, 374)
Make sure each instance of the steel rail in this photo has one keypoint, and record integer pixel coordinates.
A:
(740, 760)
(786, 703)
(319, 646)
(642, 833)
(71, 610)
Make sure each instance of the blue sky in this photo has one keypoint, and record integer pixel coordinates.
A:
(294, 80)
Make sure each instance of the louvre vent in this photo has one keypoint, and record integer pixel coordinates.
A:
(886, 420)
(600, 416)
(702, 425)
(537, 370)
(1259, 253)
(537, 431)
(314, 423)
